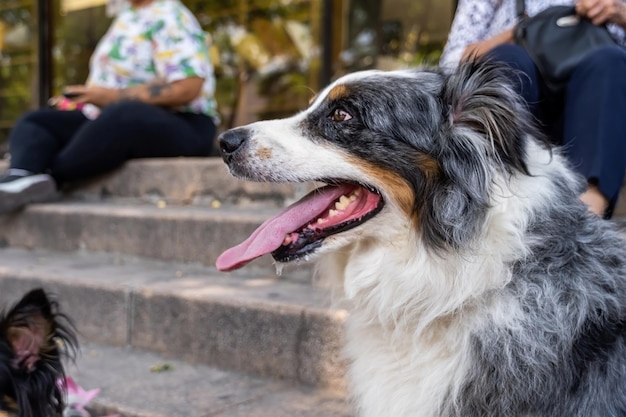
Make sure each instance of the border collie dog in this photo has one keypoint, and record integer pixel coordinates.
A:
(479, 284)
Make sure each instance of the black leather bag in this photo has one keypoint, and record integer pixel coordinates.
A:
(557, 39)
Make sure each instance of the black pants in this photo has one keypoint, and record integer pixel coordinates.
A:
(69, 146)
(589, 119)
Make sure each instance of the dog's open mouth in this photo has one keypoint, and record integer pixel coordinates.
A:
(300, 228)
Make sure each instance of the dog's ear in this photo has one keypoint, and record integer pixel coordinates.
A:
(483, 106)
(28, 329)
(484, 133)
(34, 336)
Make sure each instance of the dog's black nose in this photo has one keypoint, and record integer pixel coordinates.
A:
(231, 140)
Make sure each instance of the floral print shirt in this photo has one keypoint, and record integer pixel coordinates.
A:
(477, 20)
(160, 41)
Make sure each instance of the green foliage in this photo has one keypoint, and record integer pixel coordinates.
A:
(76, 35)
(17, 63)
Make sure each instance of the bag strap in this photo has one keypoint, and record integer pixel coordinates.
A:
(520, 8)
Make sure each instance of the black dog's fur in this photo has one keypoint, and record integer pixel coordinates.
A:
(34, 338)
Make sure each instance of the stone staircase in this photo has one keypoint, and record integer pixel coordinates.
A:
(130, 257)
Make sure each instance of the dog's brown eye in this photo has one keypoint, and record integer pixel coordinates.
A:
(340, 115)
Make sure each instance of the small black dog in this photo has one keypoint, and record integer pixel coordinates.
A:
(34, 337)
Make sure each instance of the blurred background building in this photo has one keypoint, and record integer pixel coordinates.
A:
(270, 55)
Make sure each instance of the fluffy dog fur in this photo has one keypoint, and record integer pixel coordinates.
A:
(480, 285)
(34, 336)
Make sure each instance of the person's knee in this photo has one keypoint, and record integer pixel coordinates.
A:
(512, 55)
(605, 60)
(26, 123)
(33, 116)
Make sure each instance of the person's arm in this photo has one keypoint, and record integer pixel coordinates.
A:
(603, 11)
(480, 48)
(181, 63)
(158, 92)
(468, 33)
(181, 58)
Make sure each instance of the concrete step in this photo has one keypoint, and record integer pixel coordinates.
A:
(247, 321)
(173, 233)
(176, 233)
(181, 181)
(131, 388)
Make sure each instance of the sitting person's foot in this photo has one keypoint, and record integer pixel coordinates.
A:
(18, 190)
(595, 200)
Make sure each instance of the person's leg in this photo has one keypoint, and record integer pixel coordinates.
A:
(594, 131)
(39, 135)
(130, 130)
(33, 144)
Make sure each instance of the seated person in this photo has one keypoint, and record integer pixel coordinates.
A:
(588, 117)
(149, 94)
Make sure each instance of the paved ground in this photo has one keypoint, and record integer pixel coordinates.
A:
(134, 384)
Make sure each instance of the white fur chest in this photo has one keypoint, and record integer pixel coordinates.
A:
(397, 376)
(405, 353)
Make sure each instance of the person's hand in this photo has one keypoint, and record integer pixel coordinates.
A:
(98, 96)
(54, 101)
(603, 11)
(63, 103)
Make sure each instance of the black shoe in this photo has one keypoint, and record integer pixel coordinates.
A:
(17, 191)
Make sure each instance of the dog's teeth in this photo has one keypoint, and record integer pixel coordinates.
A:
(321, 220)
(342, 203)
(332, 213)
(287, 240)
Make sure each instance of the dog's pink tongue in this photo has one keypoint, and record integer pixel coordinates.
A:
(271, 234)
